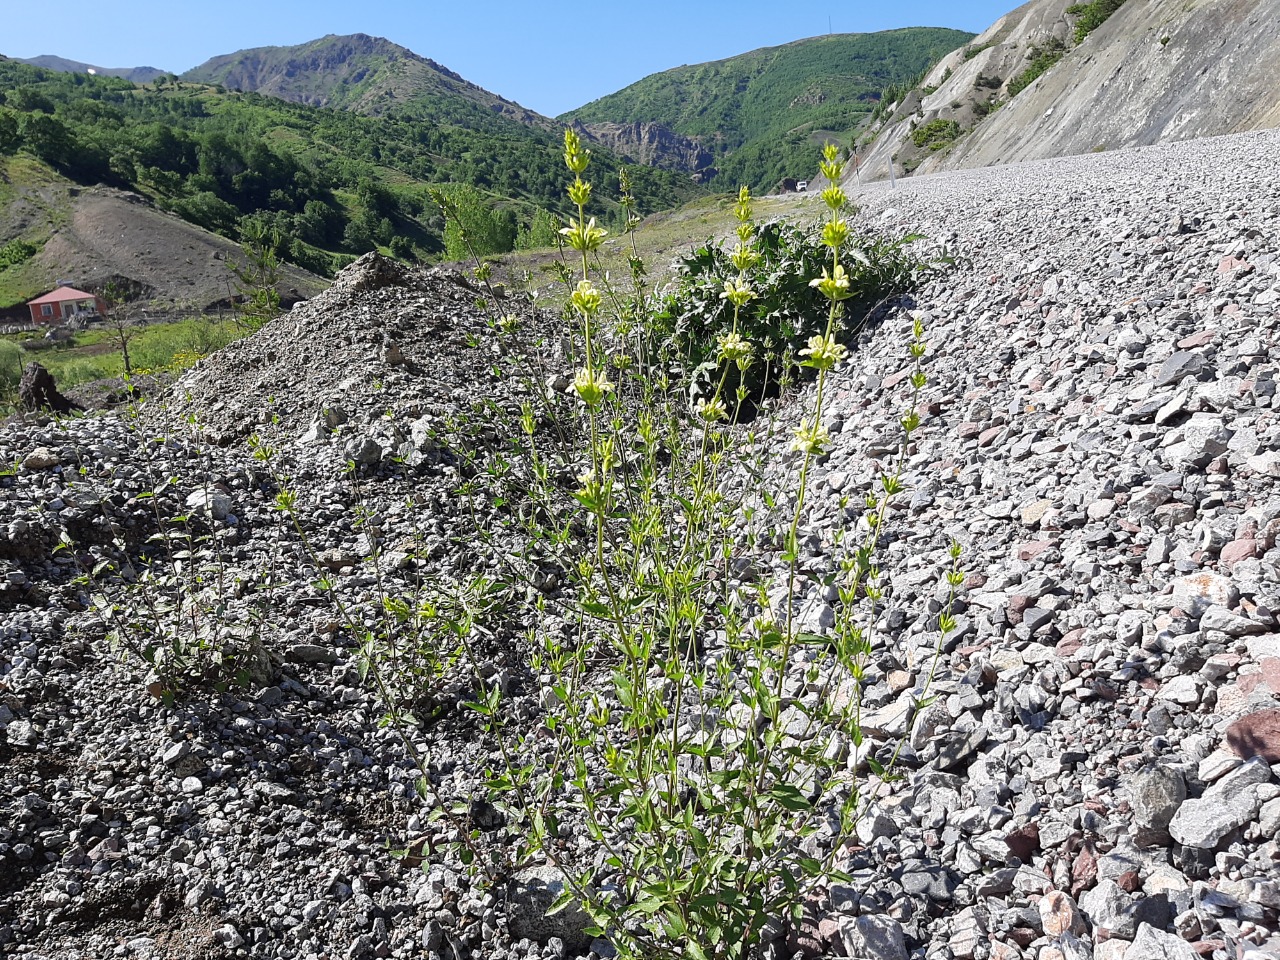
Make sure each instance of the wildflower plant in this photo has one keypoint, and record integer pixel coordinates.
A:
(704, 751)
(169, 598)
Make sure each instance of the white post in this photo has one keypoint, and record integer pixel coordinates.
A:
(893, 183)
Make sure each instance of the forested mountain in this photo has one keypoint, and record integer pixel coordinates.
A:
(334, 183)
(763, 113)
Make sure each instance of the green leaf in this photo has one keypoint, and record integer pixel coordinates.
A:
(789, 797)
(560, 903)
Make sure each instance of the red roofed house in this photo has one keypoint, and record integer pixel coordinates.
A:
(63, 304)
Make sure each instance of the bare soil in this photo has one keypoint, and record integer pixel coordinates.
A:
(115, 235)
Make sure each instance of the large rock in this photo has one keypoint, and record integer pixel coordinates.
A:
(530, 895)
(1226, 806)
(873, 937)
(1155, 794)
(1204, 437)
(1153, 944)
(1197, 592)
(1109, 908)
(1256, 734)
(1060, 916)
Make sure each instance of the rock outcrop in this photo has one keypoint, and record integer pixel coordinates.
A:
(38, 391)
(651, 144)
(1155, 71)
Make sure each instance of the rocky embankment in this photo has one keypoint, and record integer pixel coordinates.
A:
(1097, 778)
(1151, 73)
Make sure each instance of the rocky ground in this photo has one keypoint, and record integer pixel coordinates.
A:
(1098, 778)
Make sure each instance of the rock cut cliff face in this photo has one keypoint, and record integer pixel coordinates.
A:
(651, 144)
(1156, 70)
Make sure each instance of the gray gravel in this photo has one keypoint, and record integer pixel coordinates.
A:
(1098, 777)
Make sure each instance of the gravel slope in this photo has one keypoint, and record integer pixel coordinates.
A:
(1098, 778)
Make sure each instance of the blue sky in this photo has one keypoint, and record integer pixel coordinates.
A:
(550, 56)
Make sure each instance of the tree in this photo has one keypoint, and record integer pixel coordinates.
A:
(9, 138)
(402, 247)
(120, 322)
(472, 225)
(47, 137)
(541, 231)
(30, 100)
(357, 237)
(257, 300)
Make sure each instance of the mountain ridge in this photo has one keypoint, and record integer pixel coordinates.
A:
(49, 61)
(356, 72)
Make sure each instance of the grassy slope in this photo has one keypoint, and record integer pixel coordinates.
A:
(761, 109)
(34, 201)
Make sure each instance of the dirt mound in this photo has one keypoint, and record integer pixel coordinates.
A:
(382, 344)
(112, 234)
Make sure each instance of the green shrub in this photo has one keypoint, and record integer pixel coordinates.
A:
(1092, 15)
(17, 251)
(541, 231)
(786, 310)
(472, 225)
(936, 134)
(12, 359)
(1042, 58)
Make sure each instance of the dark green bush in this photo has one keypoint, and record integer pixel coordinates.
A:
(15, 252)
(936, 134)
(786, 311)
(1092, 15)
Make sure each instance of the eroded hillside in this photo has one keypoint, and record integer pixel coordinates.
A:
(1152, 72)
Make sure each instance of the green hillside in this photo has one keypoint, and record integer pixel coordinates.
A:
(762, 111)
(335, 183)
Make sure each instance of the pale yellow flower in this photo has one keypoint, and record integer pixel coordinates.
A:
(834, 197)
(833, 284)
(592, 387)
(584, 236)
(810, 438)
(711, 410)
(737, 292)
(823, 353)
(835, 233)
(733, 346)
(586, 299)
